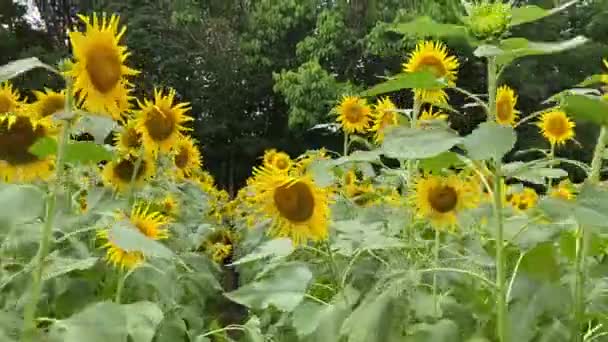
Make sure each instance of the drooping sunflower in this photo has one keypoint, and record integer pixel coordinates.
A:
(187, 157)
(9, 99)
(128, 141)
(354, 114)
(48, 102)
(220, 245)
(17, 134)
(506, 114)
(99, 70)
(384, 116)
(440, 198)
(150, 223)
(117, 174)
(556, 127)
(297, 207)
(430, 115)
(433, 57)
(160, 121)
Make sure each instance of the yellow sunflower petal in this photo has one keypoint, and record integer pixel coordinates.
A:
(556, 127)
(506, 114)
(354, 114)
(117, 174)
(384, 116)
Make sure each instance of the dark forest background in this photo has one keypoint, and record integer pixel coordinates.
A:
(262, 73)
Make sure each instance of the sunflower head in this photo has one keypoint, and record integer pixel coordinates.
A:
(118, 173)
(48, 103)
(297, 207)
(433, 57)
(160, 121)
(384, 116)
(9, 99)
(354, 114)
(506, 114)
(304, 161)
(128, 141)
(186, 157)
(220, 245)
(564, 190)
(523, 200)
(269, 156)
(17, 134)
(98, 70)
(430, 115)
(488, 20)
(439, 199)
(281, 162)
(556, 127)
(169, 206)
(150, 223)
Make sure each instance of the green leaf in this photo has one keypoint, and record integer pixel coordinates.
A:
(283, 289)
(97, 125)
(142, 320)
(100, 322)
(423, 305)
(567, 245)
(530, 13)
(541, 263)
(366, 322)
(330, 318)
(18, 67)
(21, 203)
(306, 318)
(586, 108)
(57, 266)
(512, 48)
(593, 80)
(254, 332)
(86, 152)
(79, 152)
(321, 171)
(426, 27)
(277, 248)
(532, 172)
(129, 238)
(44, 147)
(490, 141)
(592, 207)
(415, 80)
(358, 156)
(441, 331)
(355, 234)
(406, 143)
(441, 161)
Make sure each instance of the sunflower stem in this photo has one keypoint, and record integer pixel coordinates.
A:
(120, 286)
(492, 84)
(29, 332)
(436, 263)
(551, 160)
(345, 150)
(134, 175)
(501, 303)
(583, 237)
(411, 172)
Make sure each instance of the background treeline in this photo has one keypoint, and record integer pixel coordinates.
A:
(261, 73)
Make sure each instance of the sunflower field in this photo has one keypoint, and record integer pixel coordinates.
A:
(111, 229)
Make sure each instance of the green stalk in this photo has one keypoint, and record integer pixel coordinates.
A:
(501, 300)
(345, 153)
(551, 159)
(134, 175)
(411, 170)
(436, 263)
(120, 285)
(29, 332)
(583, 237)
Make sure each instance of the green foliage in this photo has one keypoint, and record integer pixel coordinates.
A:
(503, 139)
(419, 143)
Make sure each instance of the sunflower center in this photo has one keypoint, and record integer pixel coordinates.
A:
(443, 199)
(354, 114)
(181, 158)
(295, 202)
(104, 68)
(434, 65)
(124, 169)
(387, 120)
(132, 138)
(503, 110)
(281, 164)
(6, 104)
(556, 126)
(52, 105)
(160, 124)
(16, 141)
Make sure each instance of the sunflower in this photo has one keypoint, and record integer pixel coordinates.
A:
(354, 114)
(304, 161)
(430, 115)
(219, 245)
(281, 162)
(489, 19)
(117, 174)
(9, 98)
(98, 69)
(48, 102)
(297, 207)
(269, 156)
(439, 199)
(169, 206)
(128, 141)
(556, 127)
(564, 190)
(160, 121)
(187, 158)
(150, 223)
(384, 116)
(432, 56)
(523, 200)
(17, 134)
(506, 114)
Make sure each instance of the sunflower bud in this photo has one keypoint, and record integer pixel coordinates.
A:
(488, 20)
